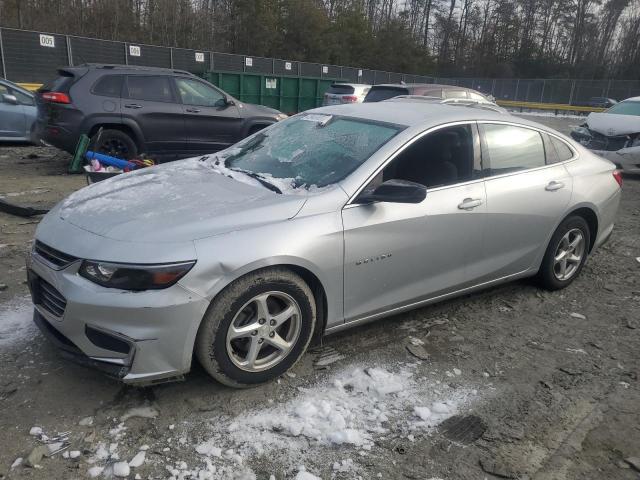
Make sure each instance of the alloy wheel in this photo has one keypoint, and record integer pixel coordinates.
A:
(569, 254)
(263, 331)
(114, 147)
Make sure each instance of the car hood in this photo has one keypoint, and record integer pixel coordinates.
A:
(611, 124)
(182, 201)
(254, 110)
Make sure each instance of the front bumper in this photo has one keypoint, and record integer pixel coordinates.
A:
(136, 337)
(626, 159)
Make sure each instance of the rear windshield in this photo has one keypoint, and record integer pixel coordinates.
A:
(341, 89)
(626, 108)
(378, 94)
(61, 84)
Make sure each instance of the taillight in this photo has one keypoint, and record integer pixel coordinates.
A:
(349, 98)
(617, 174)
(56, 97)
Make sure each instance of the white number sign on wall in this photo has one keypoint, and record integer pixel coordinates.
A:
(271, 83)
(248, 61)
(325, 69)
(200, 57)
(287, 65)
(47, 41)
(134, 51)
(359, 73)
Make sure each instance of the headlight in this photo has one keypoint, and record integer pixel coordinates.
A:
(582, 131)
(134, 277)
(281, 116)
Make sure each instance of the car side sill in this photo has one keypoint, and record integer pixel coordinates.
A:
(421, 303)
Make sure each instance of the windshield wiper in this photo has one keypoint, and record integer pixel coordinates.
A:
(259, 178)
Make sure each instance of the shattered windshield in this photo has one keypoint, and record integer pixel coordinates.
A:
(626, 108)
(309, 150)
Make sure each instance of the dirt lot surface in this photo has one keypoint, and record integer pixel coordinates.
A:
(514, 382)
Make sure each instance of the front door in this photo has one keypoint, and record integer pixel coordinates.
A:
(398, 254)
(212, 124)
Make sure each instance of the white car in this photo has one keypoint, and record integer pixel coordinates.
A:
(340, 93)
(614, 134)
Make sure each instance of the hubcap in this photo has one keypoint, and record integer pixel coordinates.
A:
(114, 147)
(264, 331)
(569, 254)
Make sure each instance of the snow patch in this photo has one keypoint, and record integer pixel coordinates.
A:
(16, 321)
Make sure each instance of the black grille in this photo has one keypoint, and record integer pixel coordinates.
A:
(53, 256)
(45, 295)
(602, 142)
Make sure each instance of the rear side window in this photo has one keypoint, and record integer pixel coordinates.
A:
(563, 152)
(378, 94)
(455, 94)
(512, 148)
(109, 86)
(341, 89)
(61, 83)
(152, 89)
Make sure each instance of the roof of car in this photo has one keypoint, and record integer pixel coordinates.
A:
(632, 99)
(417, 114)
(136, 68)
(421, 85)
(366, 85)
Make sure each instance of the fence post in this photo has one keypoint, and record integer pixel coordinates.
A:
(606, 94)
(171, 56)
(573, 86)
(542, 91)
(69, 52)
(515, 97)
(210, 61)
(493, 88)
(4, 68)
(126, 53)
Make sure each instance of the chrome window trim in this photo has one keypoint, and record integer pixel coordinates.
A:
(402, 148)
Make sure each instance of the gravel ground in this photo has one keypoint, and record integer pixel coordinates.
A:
(535, 385)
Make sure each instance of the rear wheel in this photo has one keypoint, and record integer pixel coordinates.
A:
(566, 254)
(114, 143)
(257, 328)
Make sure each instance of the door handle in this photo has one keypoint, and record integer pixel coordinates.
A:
(132, 105)
(193, 110)
(470, 203)
(553, 186)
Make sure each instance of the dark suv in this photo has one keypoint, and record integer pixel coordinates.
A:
(161, 112)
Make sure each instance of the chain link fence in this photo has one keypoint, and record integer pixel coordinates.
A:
(33, 57)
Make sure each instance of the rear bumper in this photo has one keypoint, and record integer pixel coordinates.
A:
(58, 136)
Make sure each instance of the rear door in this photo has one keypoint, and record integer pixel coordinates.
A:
(526, 196)
(12, 116)
(150, 101)
(211, 123)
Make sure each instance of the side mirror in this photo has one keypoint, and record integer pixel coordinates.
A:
(11, 99)
(395, 191)
(229, 101)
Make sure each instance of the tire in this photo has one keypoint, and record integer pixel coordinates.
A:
(236, 311)
(115, 143)
(550, 275)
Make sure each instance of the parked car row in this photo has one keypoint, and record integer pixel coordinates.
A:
(17, 113)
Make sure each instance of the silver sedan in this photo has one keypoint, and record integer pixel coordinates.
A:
(325, 221)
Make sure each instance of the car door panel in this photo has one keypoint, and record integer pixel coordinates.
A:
(523, 208)
(401, 253)
(156, 111)
(211, 123)
(12, 116)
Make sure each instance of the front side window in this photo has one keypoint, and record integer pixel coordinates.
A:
(444, 157)
(378, 94)
(626, 108)
(150, 88)
(193, 92)
(512, 148)
(310, 149)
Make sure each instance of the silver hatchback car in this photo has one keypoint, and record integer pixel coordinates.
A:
(332, 218)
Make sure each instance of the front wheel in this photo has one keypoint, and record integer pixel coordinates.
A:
(566, 254)
(114, 143)
(257, 328)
